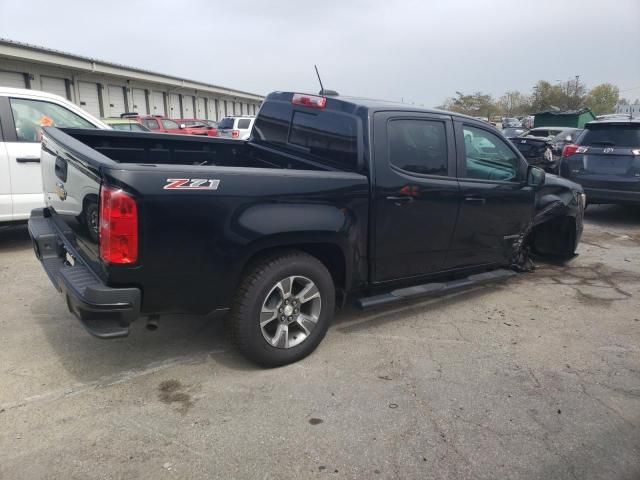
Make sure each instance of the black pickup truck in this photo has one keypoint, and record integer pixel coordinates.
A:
(331, 198)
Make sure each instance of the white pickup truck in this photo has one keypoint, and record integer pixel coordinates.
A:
(22, 113)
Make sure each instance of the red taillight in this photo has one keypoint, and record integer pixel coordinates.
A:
(570, 149)
(213, 132)
(235, 134)
(118, 226)
(312, 101)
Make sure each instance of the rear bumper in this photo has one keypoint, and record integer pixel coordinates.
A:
(601, 195)
(105, 312)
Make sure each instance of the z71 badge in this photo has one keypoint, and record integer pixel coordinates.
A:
(191, 184)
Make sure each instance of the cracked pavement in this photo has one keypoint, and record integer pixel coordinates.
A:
(536, 378)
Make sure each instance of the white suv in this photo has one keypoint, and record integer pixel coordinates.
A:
(238, 128)
(22, 113)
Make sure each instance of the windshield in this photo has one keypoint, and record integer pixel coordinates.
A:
(614, 135)
(225, 123)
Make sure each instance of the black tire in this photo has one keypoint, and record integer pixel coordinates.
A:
(91, 220)
(243, 322)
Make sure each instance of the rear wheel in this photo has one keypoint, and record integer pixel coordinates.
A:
(283, 309)
(91, 220)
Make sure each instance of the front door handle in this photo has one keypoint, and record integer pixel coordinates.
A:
(400, 199)
(475, 200)
(28, 159)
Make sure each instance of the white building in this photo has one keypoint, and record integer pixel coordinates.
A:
(106, 89)
(632, 110)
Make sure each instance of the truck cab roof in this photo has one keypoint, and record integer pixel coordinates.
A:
(349, 104)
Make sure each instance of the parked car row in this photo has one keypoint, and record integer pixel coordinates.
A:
(543, 146)
(604, 157)
(238, 128)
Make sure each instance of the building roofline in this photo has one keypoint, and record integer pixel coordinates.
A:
(15, 50)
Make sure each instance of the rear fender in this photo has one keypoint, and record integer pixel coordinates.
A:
(324, 231)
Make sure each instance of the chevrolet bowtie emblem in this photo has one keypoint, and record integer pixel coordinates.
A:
(61, 192)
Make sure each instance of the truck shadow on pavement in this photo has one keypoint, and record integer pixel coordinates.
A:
(14, 237)
(183, 340)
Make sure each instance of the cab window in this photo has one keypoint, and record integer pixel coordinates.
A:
(30, 115)
(418, 146)
(488, 157)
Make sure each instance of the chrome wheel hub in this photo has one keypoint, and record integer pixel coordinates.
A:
(290, 312)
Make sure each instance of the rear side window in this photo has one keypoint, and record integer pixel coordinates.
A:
(327, 135)
(418, 146)
(611, 135)
(244, 123)
(272, 124)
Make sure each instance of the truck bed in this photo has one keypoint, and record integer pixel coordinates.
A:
(193, 241)
(166, 149)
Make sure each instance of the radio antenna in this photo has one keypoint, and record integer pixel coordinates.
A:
(319, 80)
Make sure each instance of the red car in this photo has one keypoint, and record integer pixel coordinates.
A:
(160, 124)
(210, 126)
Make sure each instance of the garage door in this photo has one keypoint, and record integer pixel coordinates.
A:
(89, 99)
(157, 103)
(139, 100)
(212, 105)
(116, 100)
(201, 108)
(12, 79)
(54, 85)
(187, 106)
(174, 105)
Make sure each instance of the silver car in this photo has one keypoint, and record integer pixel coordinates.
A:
(238, 128)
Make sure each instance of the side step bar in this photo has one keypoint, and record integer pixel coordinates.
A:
(435, 289)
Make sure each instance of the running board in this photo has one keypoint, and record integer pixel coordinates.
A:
(435, 289)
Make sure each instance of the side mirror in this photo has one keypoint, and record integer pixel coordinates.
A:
(535, 176)
(182, 125)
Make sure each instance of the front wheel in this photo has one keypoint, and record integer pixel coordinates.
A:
(283, 309)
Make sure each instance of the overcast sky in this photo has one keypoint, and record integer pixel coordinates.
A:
(419, 51)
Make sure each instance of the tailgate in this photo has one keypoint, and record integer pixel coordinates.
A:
(71, 182)
(608, 168)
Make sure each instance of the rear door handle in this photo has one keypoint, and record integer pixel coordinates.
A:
(28, 159)
(400, 199)
(475, 200)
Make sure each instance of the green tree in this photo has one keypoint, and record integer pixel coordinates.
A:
(477, 104)
(569, 95)
(603, 98)
(513, 103)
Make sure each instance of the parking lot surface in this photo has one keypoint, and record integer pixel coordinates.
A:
(535, 378)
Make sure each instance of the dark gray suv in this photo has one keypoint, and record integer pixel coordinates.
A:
(605, 160)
